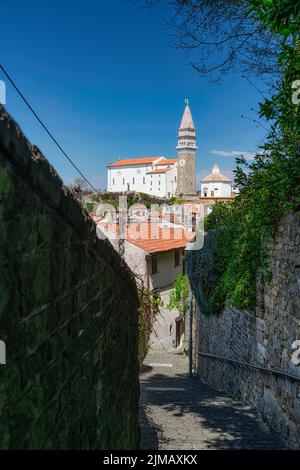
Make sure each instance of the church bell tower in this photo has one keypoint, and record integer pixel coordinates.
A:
(186, 168)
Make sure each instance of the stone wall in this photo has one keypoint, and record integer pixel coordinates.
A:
(68, 315)
(262, 338)
(163, 335)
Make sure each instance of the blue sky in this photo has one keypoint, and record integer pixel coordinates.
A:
(104, 78)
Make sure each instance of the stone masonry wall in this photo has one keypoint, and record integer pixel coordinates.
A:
(68, 315)
(262, 338)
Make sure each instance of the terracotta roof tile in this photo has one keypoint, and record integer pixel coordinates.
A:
(151, 237)
(169, 161)
(134, 161)
(154, 239)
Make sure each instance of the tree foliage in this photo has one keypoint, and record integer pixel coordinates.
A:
(269, 185)
(81, 183)
(179, 295)
(222, 36)
(150, 302)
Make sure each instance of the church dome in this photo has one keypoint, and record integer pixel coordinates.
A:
(216, 176)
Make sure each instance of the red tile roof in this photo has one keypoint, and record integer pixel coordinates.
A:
(154, 239)
(134, 161)
(151, 237)
(171, 161)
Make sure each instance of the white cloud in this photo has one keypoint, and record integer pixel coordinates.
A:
(233, 153)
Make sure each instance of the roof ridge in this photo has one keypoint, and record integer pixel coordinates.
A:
(135, 161)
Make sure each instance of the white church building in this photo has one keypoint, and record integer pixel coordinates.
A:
(160, 176)
(156, 176)
(165, 178)
(216, 185)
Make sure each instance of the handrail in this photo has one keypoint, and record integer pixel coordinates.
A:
(253, 366)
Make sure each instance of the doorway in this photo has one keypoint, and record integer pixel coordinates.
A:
(179, 331)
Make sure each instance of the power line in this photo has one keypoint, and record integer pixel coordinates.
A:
(46, 129)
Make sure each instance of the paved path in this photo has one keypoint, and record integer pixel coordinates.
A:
(182, 413)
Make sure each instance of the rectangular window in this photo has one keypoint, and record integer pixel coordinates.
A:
(113, 181)
(144, 180)
(154, 265)
(159, 183)
(123, 181)
(175, 179)
(132, 180)
(177, 258)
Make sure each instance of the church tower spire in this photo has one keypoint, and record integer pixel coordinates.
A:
(186, 146)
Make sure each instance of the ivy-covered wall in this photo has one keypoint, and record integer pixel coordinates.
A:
(68, 315)
(264, 337)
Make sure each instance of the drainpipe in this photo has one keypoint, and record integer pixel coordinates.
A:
(191, 335)
(148, 275)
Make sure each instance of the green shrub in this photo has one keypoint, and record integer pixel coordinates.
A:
(89, 206)
(179, 295)
(234, 249)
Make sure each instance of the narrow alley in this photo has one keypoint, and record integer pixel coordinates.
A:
(181, 413)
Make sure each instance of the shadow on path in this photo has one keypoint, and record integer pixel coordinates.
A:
(198, 417)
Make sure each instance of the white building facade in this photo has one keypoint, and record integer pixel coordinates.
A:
(159, 176)
(216, 185)
(166, 178)
(156, 176)
(157, 262)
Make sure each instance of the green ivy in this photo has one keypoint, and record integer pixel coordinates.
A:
(179, 295)
(150, 303)
(89, 206)
(269, 185)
